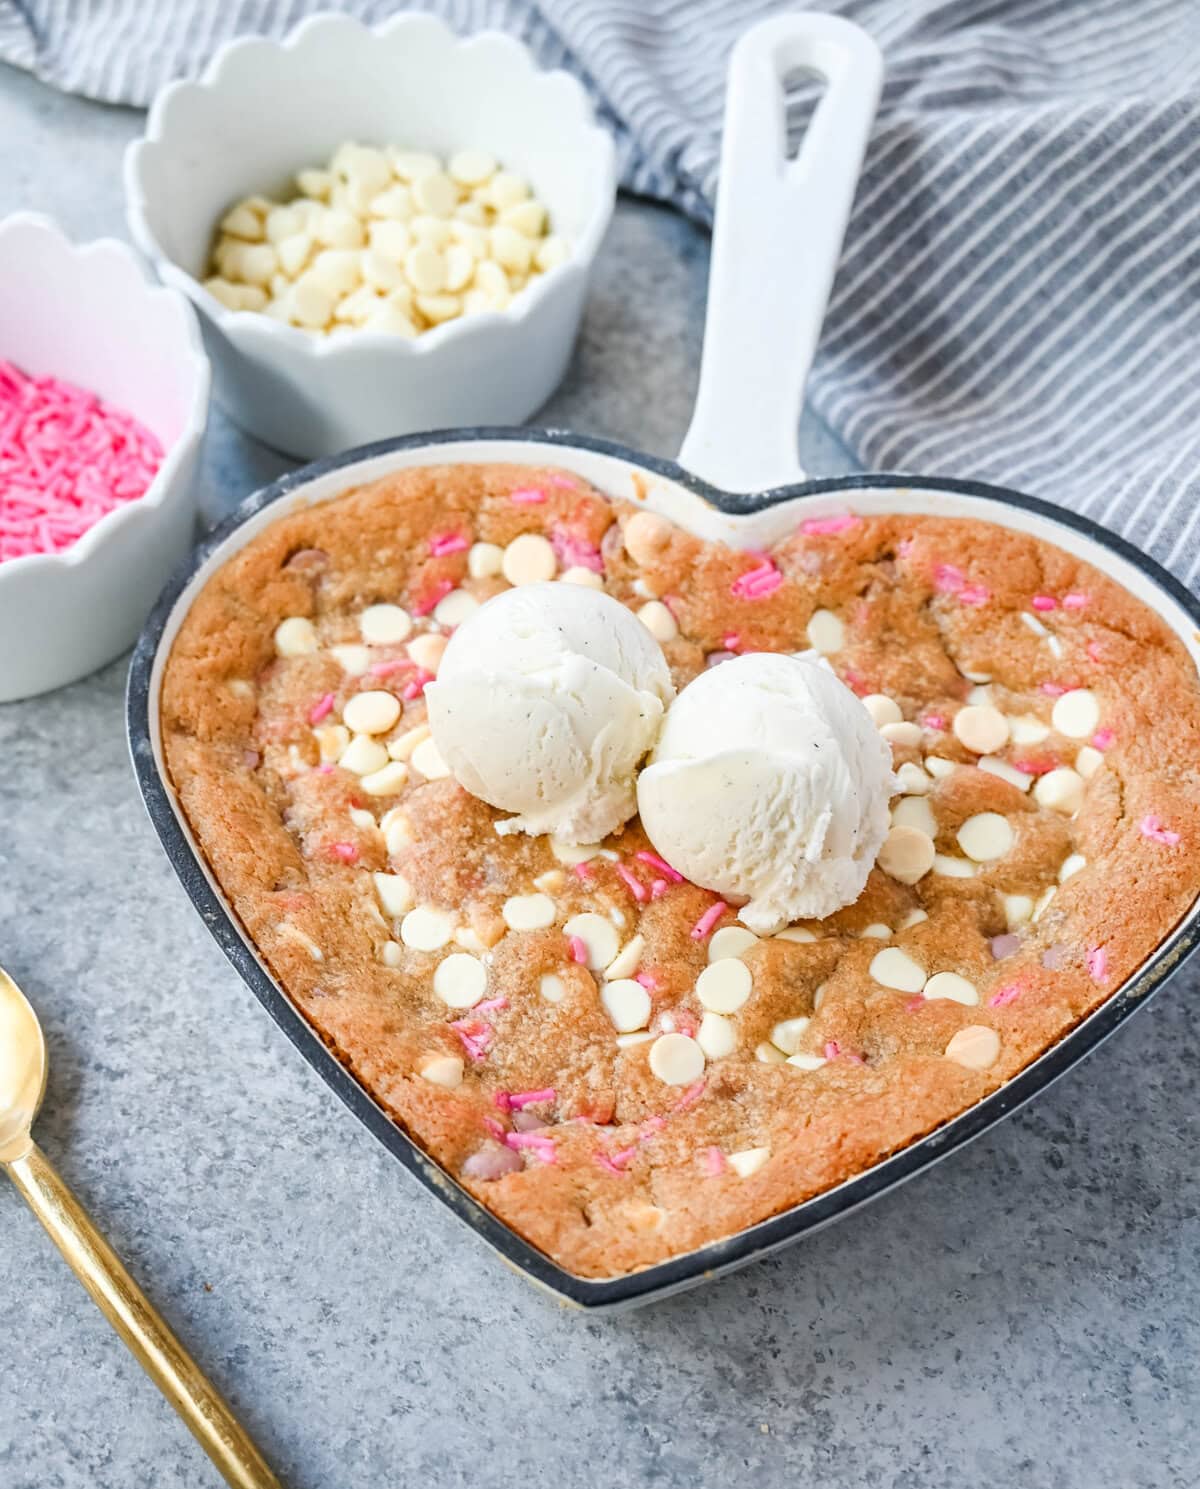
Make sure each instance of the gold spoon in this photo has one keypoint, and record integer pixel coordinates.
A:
(22, 1083)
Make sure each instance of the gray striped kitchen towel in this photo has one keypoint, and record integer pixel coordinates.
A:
(1019, 297)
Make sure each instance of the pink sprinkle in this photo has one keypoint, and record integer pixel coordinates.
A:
(476, 1036)
(948, 580)
(974, 594)
(386, 669)
(905, 546)
(325, 770)
(433, 597)
(494, 1128)
(1036, 766)
(691, 1096)
(67, 459)
(660, 864)
(1051, 689)
(528, 496)
(832, 1049)
(933, 721)
(416, 685)
(565, 483)
(579, 951)
(814, 527)
(702, 928)
(658, 888)
(1005, 995)
(635, 886)
(1151, 827)
(518, 1100)
(347, 852)
(1044, 602)
(574, 552)
(731, 641)
(647, 980)
(914, 1004)
(321, 709)
(1103, 738)
(1097, 964)
(583, 871)
(757, 583)
(714, 1162)
(611, 1164)
(444, 543)
(492, 1005)
(1094, 651)
(650, 1126)
(535, 1142)
(1074, 601)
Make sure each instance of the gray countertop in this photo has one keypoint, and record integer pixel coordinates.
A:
(1027, 1313)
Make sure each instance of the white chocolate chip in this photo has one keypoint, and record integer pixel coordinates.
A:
(466, 937)
(883, 710)
(940, 768)
(363, 755)
(426, 928)
(425, 269)
(724, 986)
(551, 252)
(912, 779)
(894, 968)
(627, 960)
(551, 881)
(627, 1041)
(730, 940)
(915, 811)
(295, 637)
(552, 988)
(1060, 790)
(471, 167)
(979, 677)
(573, 853)
(529, 559)
(901, 734)
(1033, 623)
(1077, 713)
(484, 560)
(454, 608)
(788, 1034)
(243, 222)
(676, 1060)
(1018, 908)
(645, 536)
(372, 712)
(442, 1070)
(797, 933)
(1043, 903)
(1070, 866)
(914, 917)
(627, 1004)
(362, 818)
(1027, 728)
(951, 985)
(953, 868)
(427, 758)
(982, 728)
(577, 574)
(659, 621)
(1088, 761)
(977, 1047)
(353, 660)
(716, 1036)
(876, 931)
(392, 954)
(528, 912)
(985, 836)
(402, 747)
(387, 780)
(825, 632)
(427, 650)
(598, 936)
(397, 830)
(460, 980)
(385, 625)
(395, 894)
(806, 1062)
(907, 853)
(995, 766)
(748, 1161)
(331, 742)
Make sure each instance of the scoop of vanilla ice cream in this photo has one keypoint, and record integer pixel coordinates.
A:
(769, 781)
(547, 699)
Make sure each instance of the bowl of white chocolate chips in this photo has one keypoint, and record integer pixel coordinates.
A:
(384, 229)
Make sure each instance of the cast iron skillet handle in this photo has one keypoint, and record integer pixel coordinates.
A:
(776, 240)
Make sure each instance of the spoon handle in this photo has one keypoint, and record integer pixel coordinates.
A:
(139, 1324)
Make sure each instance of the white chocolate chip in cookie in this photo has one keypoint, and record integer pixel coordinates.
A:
(825, 632)
(484, 560)
(883, 710)
(426, 928)
(427, 758)
(940, 768)
(953, 868)
(916, 812)
(1060, 790)
(676, 1060)
(551, 987)
(295, 637)
(627, 960)
(460, 980)
(353, 659)
(1018, 908)
(395, 894)
(577, 574)
(716, 1036)
(986, 836)
(1070, 866)
(659, 621)
(748, 1161)
(730, 940)
(528, 912)
(1028, 729)
(332, 740)
(428, 650)
(982, 728)
(529, 559)
(385, 625)
(914, 917)
(724, 986)
(893, 968)
(976, 1047)
(388, 780)
(363, 755)
(876, 931)
(402, 747)
(1077, 713)
(627, 1004)
(598, 936)
(912, 779)
(901, 734)
(454, 608)
(645, 536)
(806, 1062)
(788, 1034)
(1088, 761)
(1002, 770)
(442, 1070)
(372, 712)
(799, 934)
(397, 830)
(907, 853)
(950, 985)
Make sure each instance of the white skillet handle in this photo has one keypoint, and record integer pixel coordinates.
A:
(776, 240)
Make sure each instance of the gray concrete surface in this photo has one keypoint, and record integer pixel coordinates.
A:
(1027, 1314)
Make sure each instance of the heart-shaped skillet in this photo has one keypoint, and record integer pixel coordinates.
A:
(742, 435)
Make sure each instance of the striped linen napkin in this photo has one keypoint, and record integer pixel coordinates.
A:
(1019, 297)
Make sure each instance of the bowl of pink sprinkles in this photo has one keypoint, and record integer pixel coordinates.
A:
(103, 399)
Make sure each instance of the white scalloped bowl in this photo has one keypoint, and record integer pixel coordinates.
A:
(87, 313)
(263, 110)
